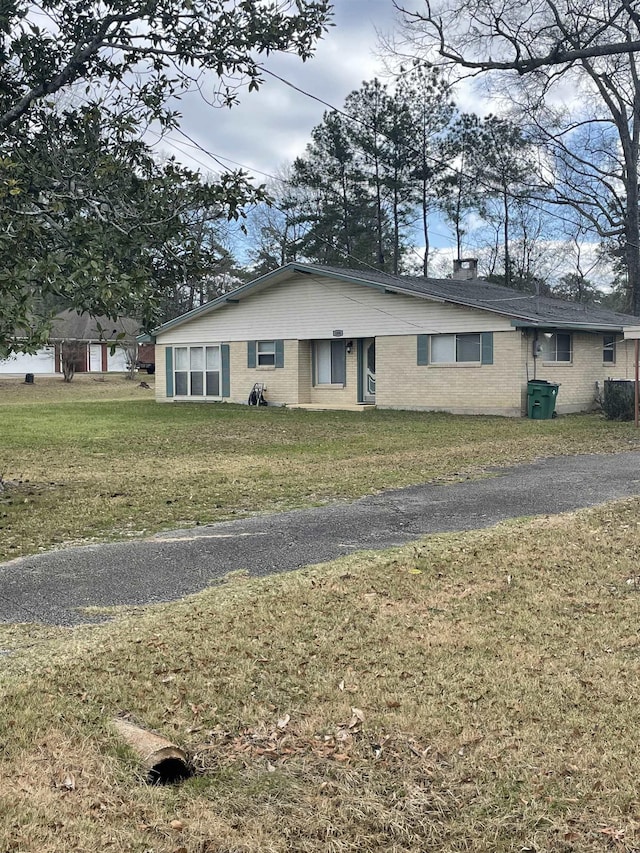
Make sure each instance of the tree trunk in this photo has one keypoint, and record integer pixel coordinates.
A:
(345, 213)
(379, 211)
(507, 259)
(633, 270)
(396, 229)
(425, 230)
(632, 234)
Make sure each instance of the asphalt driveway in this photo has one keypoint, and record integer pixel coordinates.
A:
(49, 588)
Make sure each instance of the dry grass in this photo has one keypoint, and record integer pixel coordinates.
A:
(84, 388)
(474, 692)
(78, 470)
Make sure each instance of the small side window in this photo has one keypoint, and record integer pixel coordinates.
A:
(609, 349)
(266, 353)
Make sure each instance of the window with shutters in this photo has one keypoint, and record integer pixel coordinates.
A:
(265, 354)
(455, 349)
(469, 350)
(196, 371)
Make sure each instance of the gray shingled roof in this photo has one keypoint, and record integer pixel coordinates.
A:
(477, 293)
(71, 325)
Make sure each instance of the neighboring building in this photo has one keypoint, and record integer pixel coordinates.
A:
(147, 358)
(91, 348)
(326, 337)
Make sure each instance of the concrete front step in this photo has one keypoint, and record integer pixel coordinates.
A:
(327, 407)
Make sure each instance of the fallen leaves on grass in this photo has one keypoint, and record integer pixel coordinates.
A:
(353, 706)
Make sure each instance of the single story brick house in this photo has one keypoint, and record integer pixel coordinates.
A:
(98, 346)
(325, 337)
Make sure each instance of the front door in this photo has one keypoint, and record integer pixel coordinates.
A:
(95, 357)
(368, 370)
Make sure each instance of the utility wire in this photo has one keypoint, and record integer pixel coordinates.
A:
(444, 165)
(411, 149)
(340, 251)
(437, 161)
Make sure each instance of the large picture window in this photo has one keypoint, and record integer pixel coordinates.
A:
(454, 349)
(197, 371)
(556, 346)
(330, 363)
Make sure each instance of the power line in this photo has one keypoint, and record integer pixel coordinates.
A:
(219, 158)
(215, 157)
(428, 156)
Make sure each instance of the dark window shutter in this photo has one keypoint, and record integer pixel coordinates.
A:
(423, 349)
(168, 355)
(312, 344)
(338, 363)
(251, 353)
(226, 378)
(487, 347)
(279, 353)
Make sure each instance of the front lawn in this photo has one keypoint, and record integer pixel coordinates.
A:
(465, 693)
(474, 692)
(78, 470)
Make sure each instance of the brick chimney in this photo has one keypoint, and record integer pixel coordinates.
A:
(465, 268)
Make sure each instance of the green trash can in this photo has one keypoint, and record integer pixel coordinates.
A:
(541, 399)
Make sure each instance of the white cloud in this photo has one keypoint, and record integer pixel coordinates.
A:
(273, 125)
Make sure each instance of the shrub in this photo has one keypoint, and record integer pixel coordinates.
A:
(619, 400)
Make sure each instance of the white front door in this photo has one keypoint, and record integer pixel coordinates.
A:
(95, 358)
(368, 368)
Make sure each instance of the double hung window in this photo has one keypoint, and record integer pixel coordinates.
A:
(266, 353)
